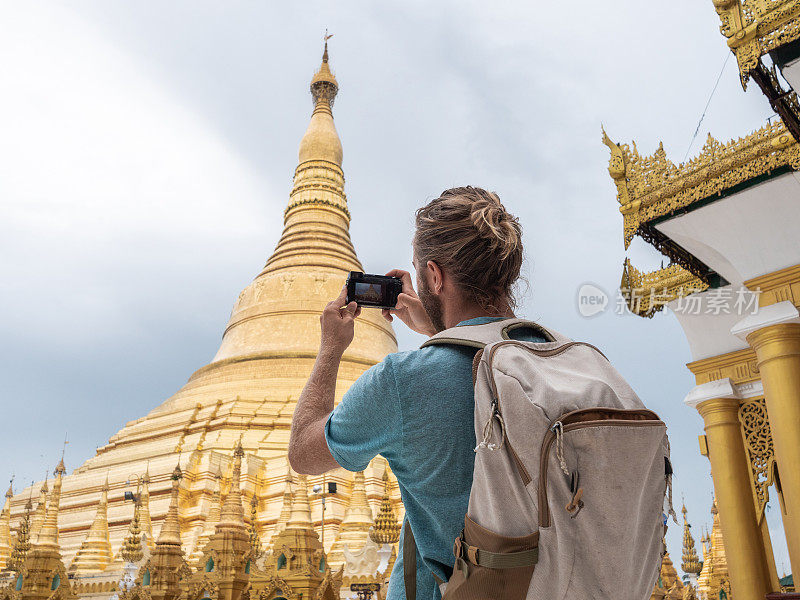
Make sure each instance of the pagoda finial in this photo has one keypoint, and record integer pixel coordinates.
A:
(386, 529)
(691, 563)
(325, 52)
(323, 85)
(170, 533)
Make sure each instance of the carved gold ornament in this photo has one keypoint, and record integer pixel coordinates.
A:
(758, 445)
(754, 27)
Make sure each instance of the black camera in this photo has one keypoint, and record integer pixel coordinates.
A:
(377, 291)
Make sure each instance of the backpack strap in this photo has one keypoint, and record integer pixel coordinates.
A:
(410, 564)
(478, 336)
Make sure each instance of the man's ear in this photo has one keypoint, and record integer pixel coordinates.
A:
(435, 277)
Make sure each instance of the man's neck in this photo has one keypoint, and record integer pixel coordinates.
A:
(454, 317)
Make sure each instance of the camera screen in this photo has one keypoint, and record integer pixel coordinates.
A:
(368, 292)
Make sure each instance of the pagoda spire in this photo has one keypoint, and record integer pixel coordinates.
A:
(211, 521)
(312, 258)
(166, 564)
(230, 544)
(144, 510)
(43, 568)
(356, 524)
(691, 563)
(386, 529)
(41, 510)
(232, 513)
(255, 536)
(95, 553)
(131, 550)
(286, 509)
(170, 533)
(48, 535)
(317, 220)
(5, 527)
(300, 518)
(23, 542)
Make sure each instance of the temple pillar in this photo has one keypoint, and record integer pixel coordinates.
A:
(774, 334)
(718, 404)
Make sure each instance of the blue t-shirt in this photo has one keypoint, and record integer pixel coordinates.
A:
(415, 408)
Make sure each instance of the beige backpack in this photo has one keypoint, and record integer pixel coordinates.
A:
(572, 480)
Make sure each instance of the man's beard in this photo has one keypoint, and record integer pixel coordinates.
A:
(432, 305)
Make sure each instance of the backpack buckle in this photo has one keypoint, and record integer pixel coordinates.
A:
(459, 546)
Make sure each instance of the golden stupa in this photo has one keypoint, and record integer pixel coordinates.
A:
(246, 393)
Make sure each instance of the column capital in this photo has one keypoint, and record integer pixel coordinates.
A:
(717, 389)
(775, 314)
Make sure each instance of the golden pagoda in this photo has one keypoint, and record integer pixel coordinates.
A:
(226, 557)
(669, 586)
(354, 528)
(95, 554)
(727, 221)
(42, 575)
(22, 542)
(243, 398)
(387, 528)
(714, 577)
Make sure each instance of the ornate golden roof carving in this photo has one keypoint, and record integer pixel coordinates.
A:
(653, 187)
(754, 27)
(646, 293)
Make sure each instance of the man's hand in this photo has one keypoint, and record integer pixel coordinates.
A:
(409, 307)
(337, 324)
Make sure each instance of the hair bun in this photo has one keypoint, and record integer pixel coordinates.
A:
(495, 225)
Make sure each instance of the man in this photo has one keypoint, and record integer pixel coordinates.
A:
(415, 408)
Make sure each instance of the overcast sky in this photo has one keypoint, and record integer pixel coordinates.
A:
(147, 150)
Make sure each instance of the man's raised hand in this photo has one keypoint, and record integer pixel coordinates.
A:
(337, 323)
(409, 307)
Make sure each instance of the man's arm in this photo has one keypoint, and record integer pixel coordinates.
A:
(308, 450)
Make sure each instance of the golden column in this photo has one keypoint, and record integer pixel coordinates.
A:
(774, 334)
(718, 404)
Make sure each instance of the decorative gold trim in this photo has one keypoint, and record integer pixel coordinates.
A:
(646, 293)
(652, 187)
(757, 437)
(295, 203)
(754, 27)
(777, 286)
(740, 366)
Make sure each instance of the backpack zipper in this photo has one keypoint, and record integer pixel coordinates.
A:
(646, 418)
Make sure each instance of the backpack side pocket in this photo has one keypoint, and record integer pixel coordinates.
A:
(490, 566)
